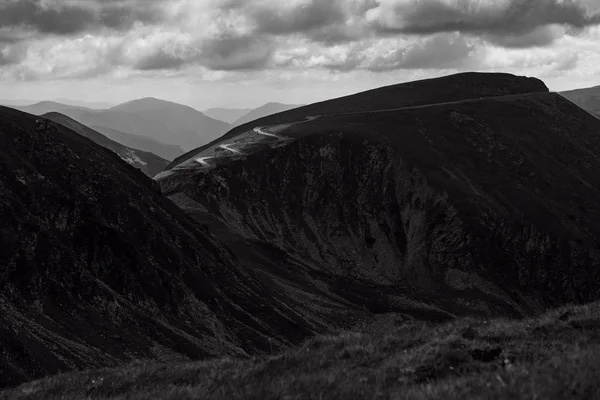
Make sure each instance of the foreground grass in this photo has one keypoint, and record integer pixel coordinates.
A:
(555, 356)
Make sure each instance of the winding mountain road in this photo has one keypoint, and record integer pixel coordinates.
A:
(261, 130)
(228, 147)
(202, 161)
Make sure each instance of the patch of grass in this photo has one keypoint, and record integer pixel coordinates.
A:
(554, 356)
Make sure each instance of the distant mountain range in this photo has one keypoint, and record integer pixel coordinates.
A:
(149, 163)
(167, 128)
(229, 115)
(588, 99)
(173, 123)
(68, 102)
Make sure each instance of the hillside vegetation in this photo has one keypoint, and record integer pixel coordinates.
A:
(554, 356)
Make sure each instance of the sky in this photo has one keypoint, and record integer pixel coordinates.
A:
(244, 53)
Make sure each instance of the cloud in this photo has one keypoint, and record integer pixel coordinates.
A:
(538, 37)
(299, 17)
(64, 38)
(497, 17)
(160, 60)
(230, 52)
(12, 53)
(68, 17)
(439, 52)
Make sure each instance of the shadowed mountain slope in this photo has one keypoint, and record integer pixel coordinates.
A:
(430, 91)
(148, 163)
(485, 205)
(98, 269)
(588, 99)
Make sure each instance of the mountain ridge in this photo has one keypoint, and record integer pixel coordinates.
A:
(149, 163)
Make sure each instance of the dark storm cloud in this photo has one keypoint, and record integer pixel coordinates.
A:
(65, 18)
(230, 52)
(517, 17)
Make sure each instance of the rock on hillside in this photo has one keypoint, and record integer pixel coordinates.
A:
(148, 163)
(98, 269)
(486, 206)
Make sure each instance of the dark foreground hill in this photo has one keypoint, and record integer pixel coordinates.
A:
(148, 163)
(553, 356)
(98, 269)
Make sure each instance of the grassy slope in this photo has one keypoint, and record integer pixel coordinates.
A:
(429, 91)
(554, 356)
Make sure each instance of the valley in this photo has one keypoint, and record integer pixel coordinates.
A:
(349, 226)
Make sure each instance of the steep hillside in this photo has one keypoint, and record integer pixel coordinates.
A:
(588, 99)
(173, 123)
(430, 91)
(98, 269)
(263, 111)
(486, 206)
(229, 115)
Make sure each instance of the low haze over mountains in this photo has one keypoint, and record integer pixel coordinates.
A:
(173, 123)
(169, 128)
(229, 115)
(149, 163)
